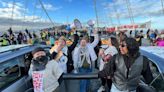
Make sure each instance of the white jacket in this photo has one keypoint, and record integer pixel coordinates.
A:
(90, 49)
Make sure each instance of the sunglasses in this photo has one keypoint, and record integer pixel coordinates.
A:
(122, 45)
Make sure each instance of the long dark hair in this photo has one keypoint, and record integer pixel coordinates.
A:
(133, 47)
(114, 42)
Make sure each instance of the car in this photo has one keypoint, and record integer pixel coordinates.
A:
(156, 55)
(15, 61)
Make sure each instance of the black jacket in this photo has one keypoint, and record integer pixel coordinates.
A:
(110, 68)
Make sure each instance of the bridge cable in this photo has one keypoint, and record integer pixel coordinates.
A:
(130, 12)
(162, 6)
(12, 13)
(24, 15)
(117, 14)
(97, 21)
(46, 12)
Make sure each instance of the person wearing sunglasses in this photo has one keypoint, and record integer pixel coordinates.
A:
(126, 68)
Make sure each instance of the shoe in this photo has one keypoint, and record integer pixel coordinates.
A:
(101, 89)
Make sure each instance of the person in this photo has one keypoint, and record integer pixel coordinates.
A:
(147, 34)
(159, 42)
(36, 39)
(84, 57)
(13, 39)
(24, 38)
(46, 74)
(4, 40)
(20, 38)
(105, 55)
(152, 37)
(63, 53)
(130, 33)
(97, 48)
(52, 39)
(121, 36)
(126, 67)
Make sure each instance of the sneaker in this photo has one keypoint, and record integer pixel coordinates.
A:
(101, 89)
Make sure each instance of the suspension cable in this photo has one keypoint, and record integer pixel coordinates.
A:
(130, 11)
(109, 19)
(162, 6)
(46, 12)
(117, 14)
(24, 15)
(127, 4)
(41, 15)
(96, 14)
(34, 10)
(12, 13)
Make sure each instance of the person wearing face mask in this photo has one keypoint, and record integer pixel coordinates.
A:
(84, 56)
(44, 71)
(126, 67)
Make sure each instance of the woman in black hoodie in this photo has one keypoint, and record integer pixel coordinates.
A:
(66, 51)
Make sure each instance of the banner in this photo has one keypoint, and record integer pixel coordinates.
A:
(91, 23)
(130, 27)
(37, 77)
(112, 29)
(77, 24)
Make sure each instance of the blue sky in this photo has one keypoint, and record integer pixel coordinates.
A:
(63, 11)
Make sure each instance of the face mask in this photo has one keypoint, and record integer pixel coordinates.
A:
(39, 63)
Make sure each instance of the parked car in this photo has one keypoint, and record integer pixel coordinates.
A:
(14, 66)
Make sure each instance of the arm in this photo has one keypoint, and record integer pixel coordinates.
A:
(146, 72)
(57, 72)
(76, 38)
(55, 50)
(76, 57)
(96, 40)
(30, 71)
(53, 55)
(109, 69)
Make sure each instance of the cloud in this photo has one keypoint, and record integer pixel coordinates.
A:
(138, 7)
(49, 7)
(142, 11)
(19, 20)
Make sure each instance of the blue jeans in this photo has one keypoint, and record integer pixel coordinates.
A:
(84, 84)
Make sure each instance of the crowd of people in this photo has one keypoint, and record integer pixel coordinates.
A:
(120, 62)
(154, 37)
(27, 37)
(12, 38)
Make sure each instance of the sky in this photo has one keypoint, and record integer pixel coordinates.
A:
(29, 13)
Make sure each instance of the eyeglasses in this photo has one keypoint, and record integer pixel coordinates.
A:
(123, 45)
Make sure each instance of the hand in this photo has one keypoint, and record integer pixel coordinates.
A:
(107, 57)
(101, 52)
(95, 31)
(108, 77)
(59, 48)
